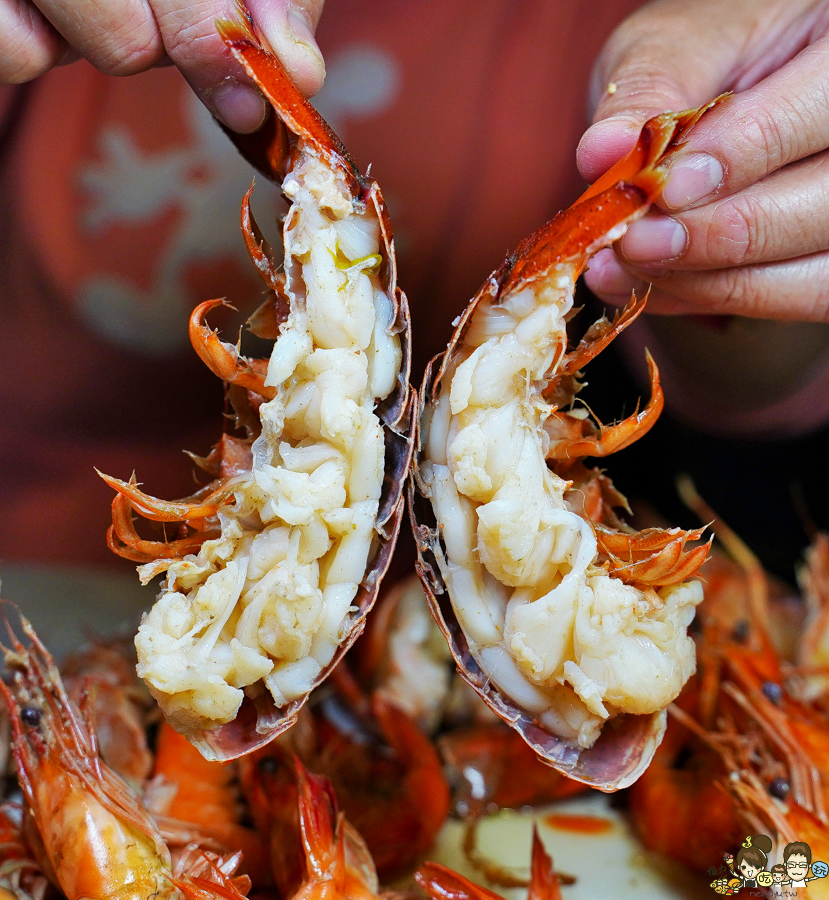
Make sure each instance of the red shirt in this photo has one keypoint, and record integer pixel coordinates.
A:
(120, 213)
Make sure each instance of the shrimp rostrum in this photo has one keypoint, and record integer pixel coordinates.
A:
(563, 618)
(277, 561)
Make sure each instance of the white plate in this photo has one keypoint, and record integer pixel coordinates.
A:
(612, 864)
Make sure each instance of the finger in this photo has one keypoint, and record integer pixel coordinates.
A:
(117, 38)
(289, 27)
(794, 290)
(670, 55)
(661, 58)
(611, 281)
(29, 44)
(781, 217)
(782, 119)
(193, 44)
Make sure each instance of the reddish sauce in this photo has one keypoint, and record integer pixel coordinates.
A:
(581, 824)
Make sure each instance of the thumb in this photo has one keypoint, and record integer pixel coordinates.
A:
(289, 27)
(663, 57)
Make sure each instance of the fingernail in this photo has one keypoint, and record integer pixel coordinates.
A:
(653, 239)
(608, 280)
(241, 107)
(604, 143)
(301, 32)
(691, 179)
(615, 126)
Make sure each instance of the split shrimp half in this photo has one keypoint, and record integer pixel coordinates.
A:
(279, 559)
(572, 627)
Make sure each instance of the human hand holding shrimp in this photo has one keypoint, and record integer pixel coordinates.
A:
(743, 227)
(124, 37)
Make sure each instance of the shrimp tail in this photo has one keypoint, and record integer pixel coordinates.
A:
(320, 825)
(269, 149)
(544, 883)
(441, 883)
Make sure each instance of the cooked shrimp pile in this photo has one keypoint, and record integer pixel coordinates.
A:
(142, 814)
(745, 752)
(748, 738)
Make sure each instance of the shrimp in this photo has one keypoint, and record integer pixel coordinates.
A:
(683, 806)
(338, 863)
(387, 775)
(278, 560)
(490, 765)
(83, 827)
(744, 675)
(403, 656)
(119, 703)
(763, 809)
(679, 807)
(558, 615)
(203, 794)
(97, 838)
(20, 875)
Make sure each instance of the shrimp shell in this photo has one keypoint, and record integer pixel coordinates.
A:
(551, 259)
(294, 135)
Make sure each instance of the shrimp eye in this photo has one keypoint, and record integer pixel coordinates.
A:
(268, 765)
(779, 788)
(772, 691)
(30, 715)
(741, 631)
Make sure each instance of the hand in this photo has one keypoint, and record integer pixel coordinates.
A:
(123, 37)
(747, 229)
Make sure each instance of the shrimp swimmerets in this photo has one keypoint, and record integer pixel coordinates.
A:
(560, 616)
(279, 559)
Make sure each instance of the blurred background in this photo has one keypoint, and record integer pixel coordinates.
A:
(119, 213)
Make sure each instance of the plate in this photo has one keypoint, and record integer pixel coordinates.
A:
(610, 864)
